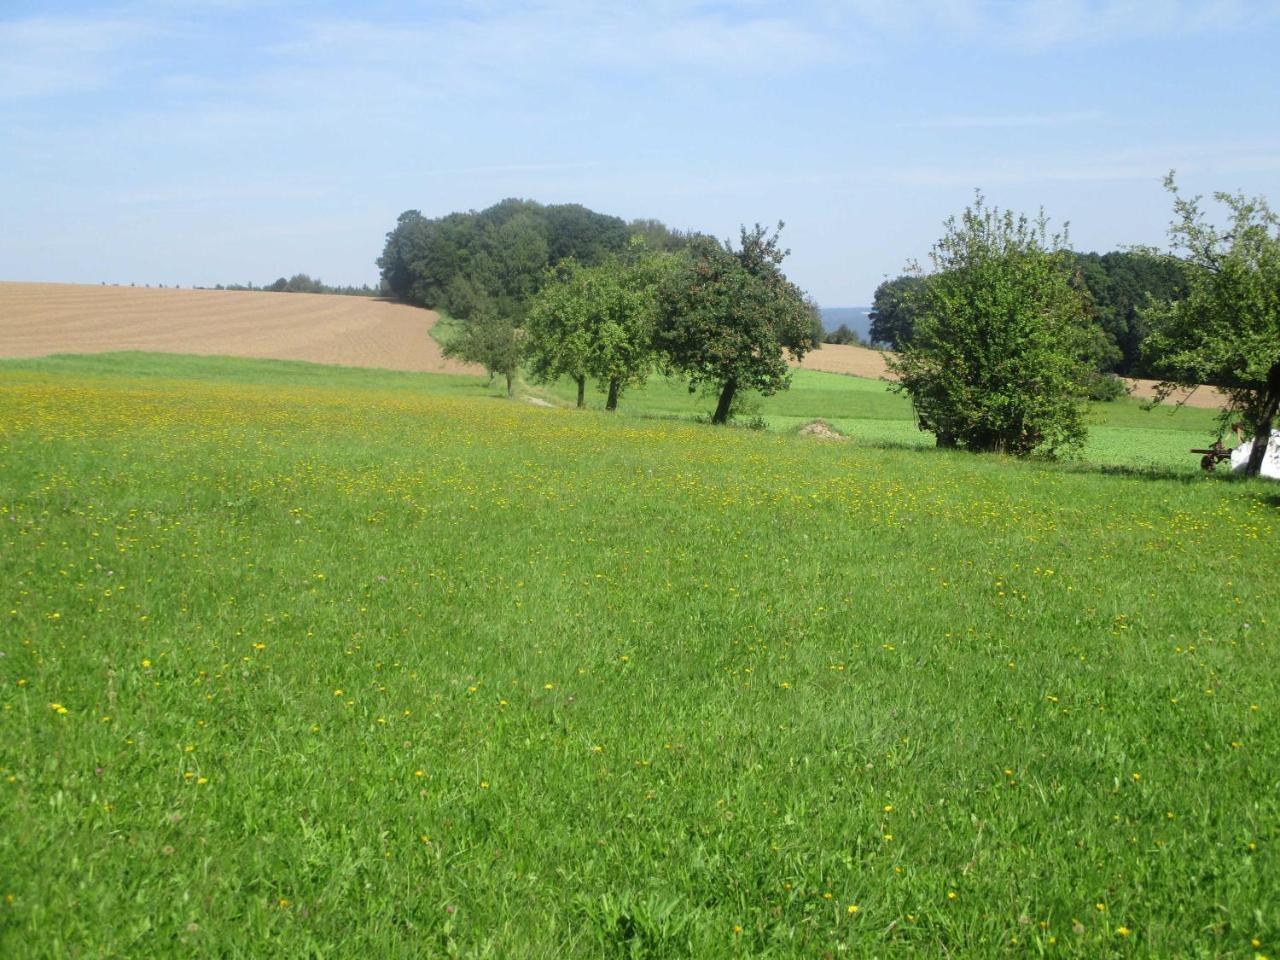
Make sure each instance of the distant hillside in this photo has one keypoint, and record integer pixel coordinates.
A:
(854, 317)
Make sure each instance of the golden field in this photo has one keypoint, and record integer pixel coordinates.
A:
(37, 319)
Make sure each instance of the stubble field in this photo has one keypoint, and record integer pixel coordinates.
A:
(37, 319)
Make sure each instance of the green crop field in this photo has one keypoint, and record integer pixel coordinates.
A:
(316, 662)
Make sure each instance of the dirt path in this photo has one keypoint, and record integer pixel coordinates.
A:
(37, 319)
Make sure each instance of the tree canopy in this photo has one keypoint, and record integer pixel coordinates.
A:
(727, 318)
(497, 258)
(491, 340)
(997, 358)
(596, 321)
(1226, 330)
(893, 311)
(1116, 285)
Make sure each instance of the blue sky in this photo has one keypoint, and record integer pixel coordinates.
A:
(207, 141)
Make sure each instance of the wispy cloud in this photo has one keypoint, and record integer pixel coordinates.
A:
(1008, 121)
(1040, 24)
(1147, 164)
(42, 57)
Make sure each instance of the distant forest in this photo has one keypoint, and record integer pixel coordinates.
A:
(498, 258)
(1117, 285)
(302, 283)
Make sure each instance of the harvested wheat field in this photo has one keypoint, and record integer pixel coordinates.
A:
(862, 362)
(37, 319)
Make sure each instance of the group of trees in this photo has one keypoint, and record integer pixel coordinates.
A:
(495, 260)
(569, 292)
(1115, 288)
(303, 283)
(999, 345)
(722, 317)
(1001, 337)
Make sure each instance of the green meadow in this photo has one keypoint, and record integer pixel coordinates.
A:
(302, 661)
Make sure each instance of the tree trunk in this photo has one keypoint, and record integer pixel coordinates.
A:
(510, 391)
(582, 392)
(1266, 417)
(726, 401)
(612, 403)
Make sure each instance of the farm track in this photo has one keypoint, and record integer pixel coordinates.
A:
(37, 319)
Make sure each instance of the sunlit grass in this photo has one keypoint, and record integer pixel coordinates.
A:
(311, 662)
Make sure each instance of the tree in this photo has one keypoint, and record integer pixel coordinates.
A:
(498, 255)
(997, 358)
(845, 336)
(596, 321)
(1119, 285)
(491, 340)
(727, 318)
(1226, 330)
(893, 311)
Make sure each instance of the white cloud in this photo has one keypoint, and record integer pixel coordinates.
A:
(1038, 24)
(43, 57)
(1009, 121)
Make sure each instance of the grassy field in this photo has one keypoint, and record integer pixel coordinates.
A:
(303, 661)
(1122, 434)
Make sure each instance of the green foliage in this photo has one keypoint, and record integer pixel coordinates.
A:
(727, 318)
(1115, 286)
(596, 322)
(996, 362)
(657, 236)
(1119, 285)
(494, 259)
(843, 335)
(491, 340)
(894, 309)
(1226, 330)
(303, 283)
(1104, 387)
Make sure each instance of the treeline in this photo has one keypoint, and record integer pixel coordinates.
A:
(997, 345)
(497, 259)
(568, 292)
(1115, 288)
(303, 283)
